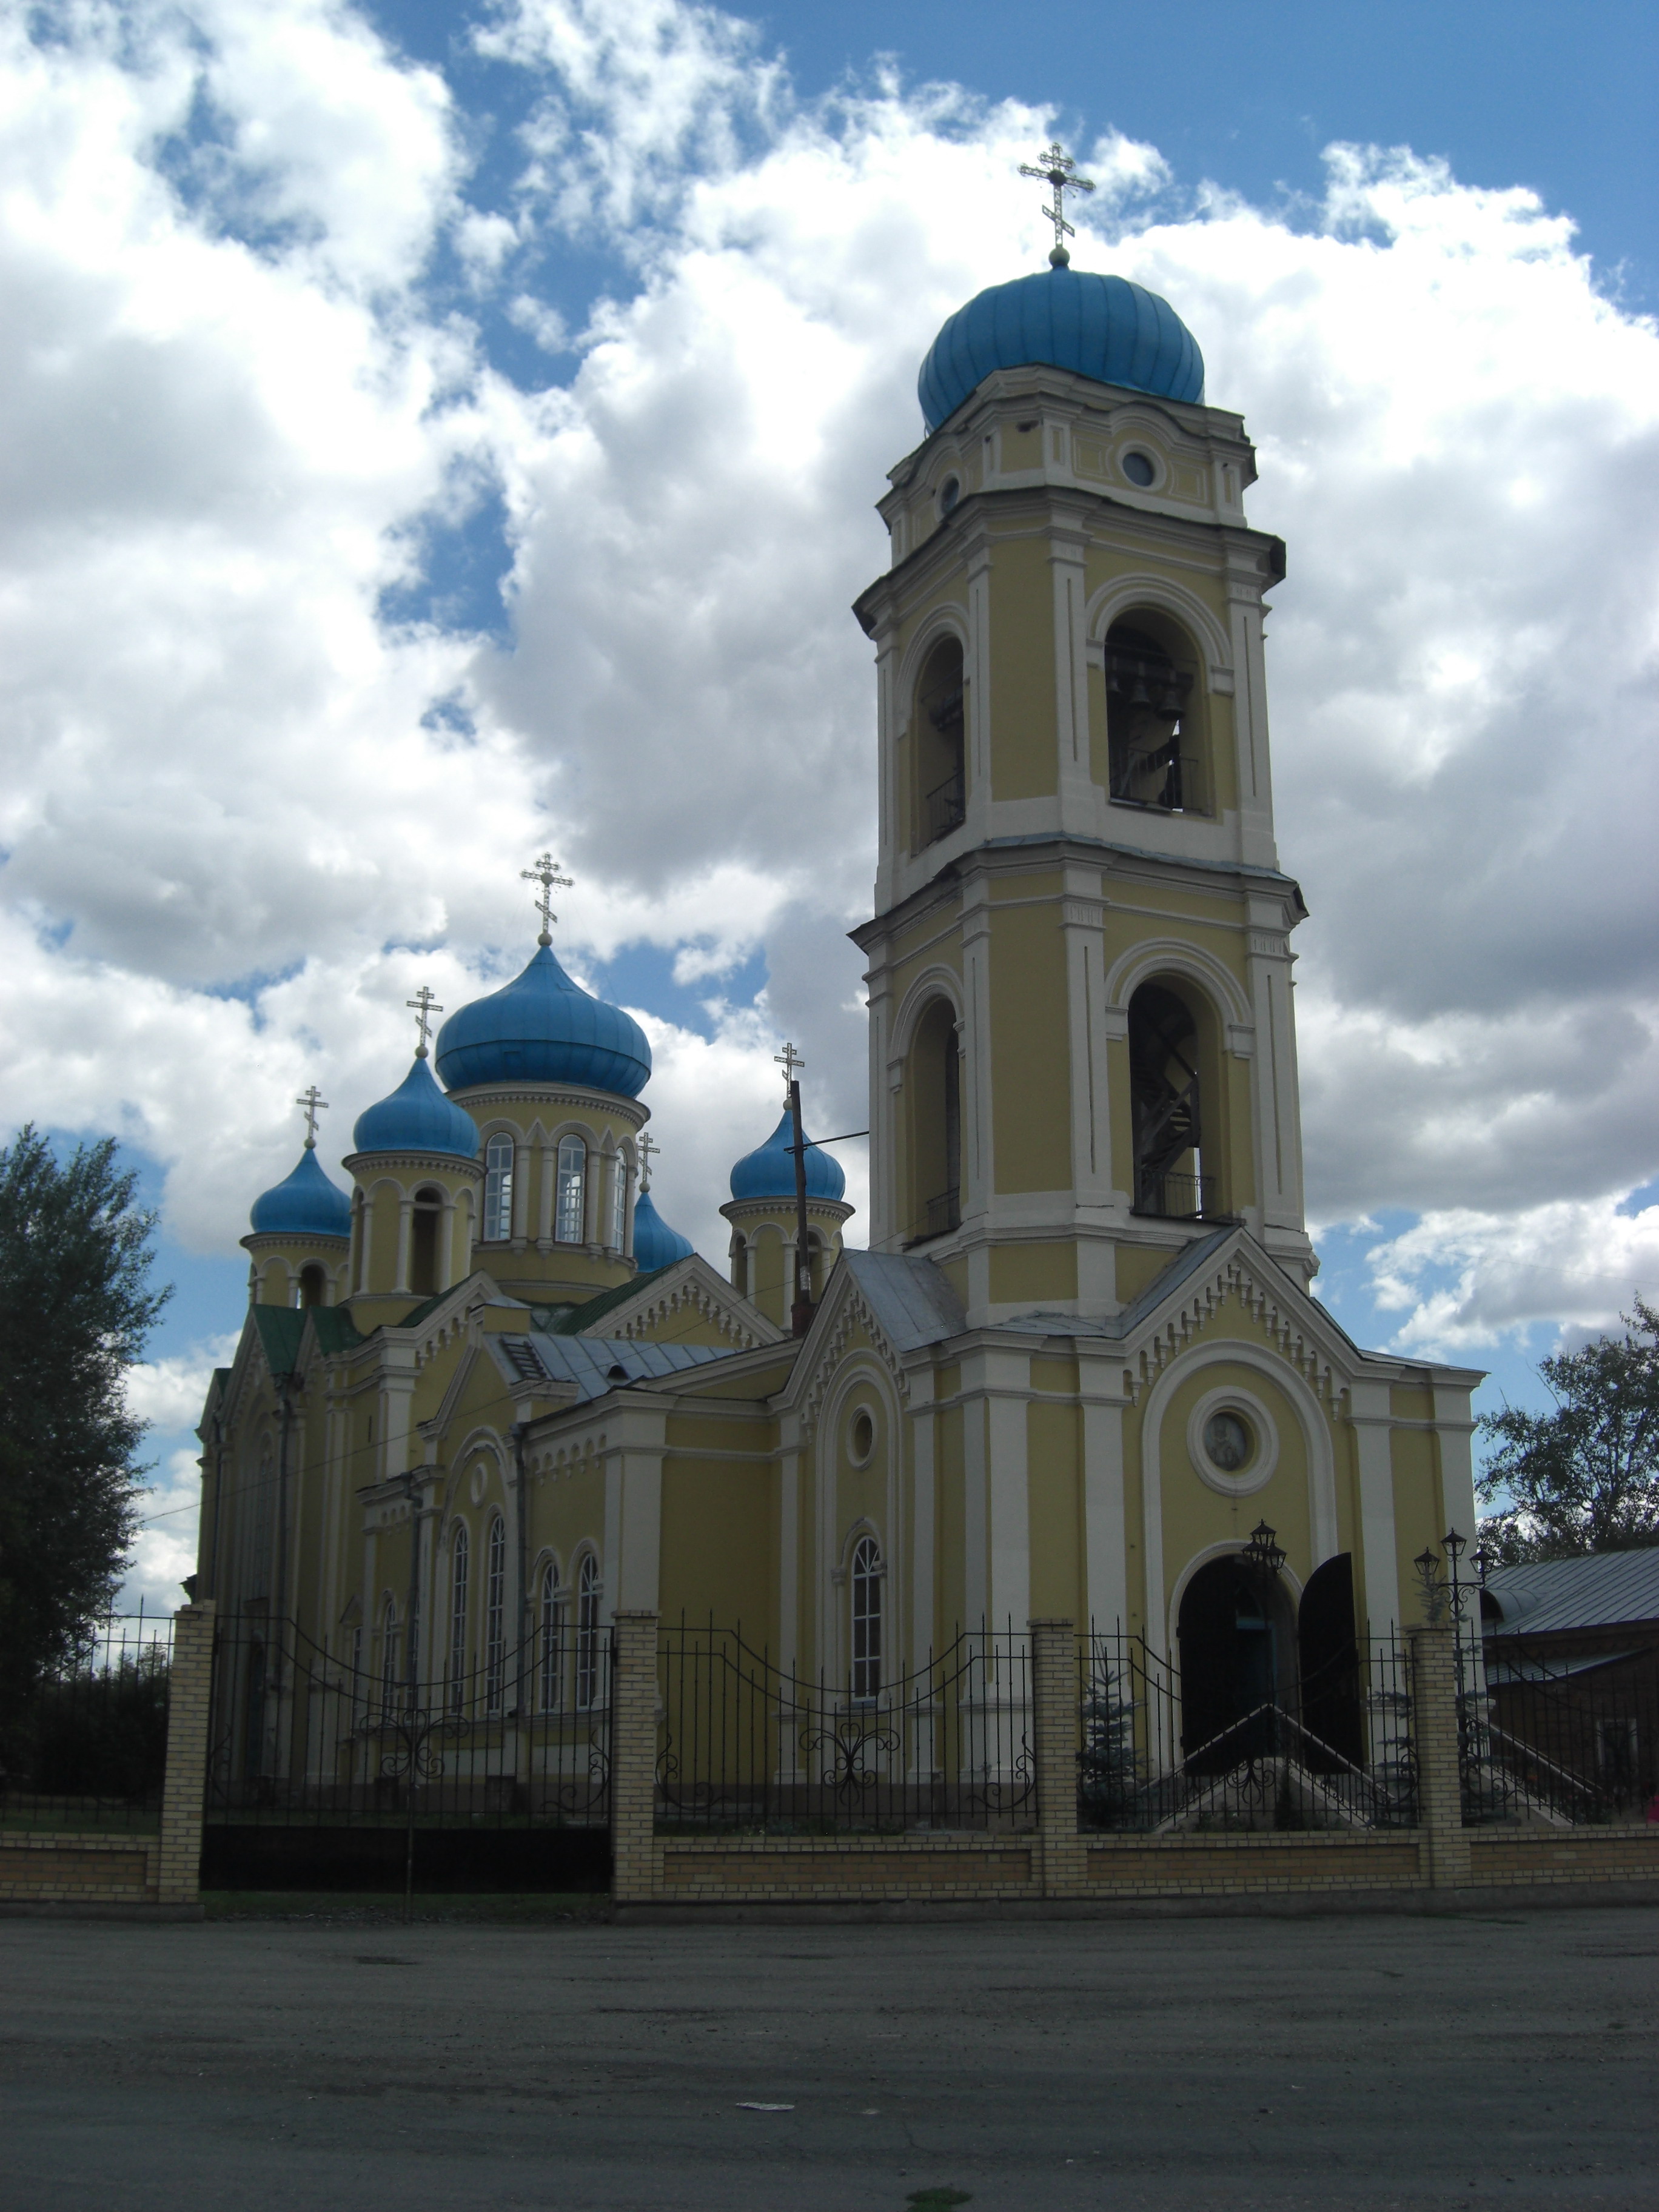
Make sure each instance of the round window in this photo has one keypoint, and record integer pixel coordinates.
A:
(949, 493)
(1228, 1442)
(1139, 468)
(861, 1437)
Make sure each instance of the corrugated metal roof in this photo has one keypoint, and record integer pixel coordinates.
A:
(1603, 1589)
(597, 1364)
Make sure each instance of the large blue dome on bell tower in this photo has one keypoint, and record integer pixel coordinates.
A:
(1104, 327)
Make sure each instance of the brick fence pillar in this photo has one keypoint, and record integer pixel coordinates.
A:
(1435, 1737)
(184, 1789)
(1055, 1727)
(634, 1758)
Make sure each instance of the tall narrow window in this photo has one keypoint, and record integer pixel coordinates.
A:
(739, 1265)
(495, 1612)
(569, 1225)
(389, 1658)
(867, 1582)
(498, 1190)
(587, 1632)
(311, 1288)
(618, 1227)
(936, 737)
(550, 1687)
(1151, 761)
(458, 1564)
(1164, 1096)
(932, 1105)
(423, 1277)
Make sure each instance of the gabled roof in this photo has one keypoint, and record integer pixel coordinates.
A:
(1602, 1590)
(596, 1365)
(915, 1302)
(577, 1321)
(280, 1328)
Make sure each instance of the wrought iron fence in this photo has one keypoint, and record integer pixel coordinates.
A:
(83, 1743)
(303, 1733)
(1331, 1749)
(748, 1747)
(1556, 1742)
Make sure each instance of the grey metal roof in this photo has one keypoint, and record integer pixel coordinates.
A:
(912, 1299)
(1603, 1589)
(597, 1364)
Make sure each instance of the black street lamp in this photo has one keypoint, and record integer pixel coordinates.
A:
(1264, 1554)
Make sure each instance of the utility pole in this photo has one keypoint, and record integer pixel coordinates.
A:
(800, 1312)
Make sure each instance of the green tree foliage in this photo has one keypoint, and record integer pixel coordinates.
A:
(1585, 1477)
(76, 1307)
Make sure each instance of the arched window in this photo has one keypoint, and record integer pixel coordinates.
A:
(815, 1260)
(423, 1243)
(312, 1287)
(933, 1116)
(866, 1581)
(740, 1264)
(1153, 759)
(459, 1564)
(498, 1190)
(587, 1632)
(941, 799)
(570, 1208)
(1164, 1096)
(616, 1231)
(389, 1657)
(551, 1672)
(495, 1612)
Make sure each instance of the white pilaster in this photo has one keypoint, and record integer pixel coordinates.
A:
(1368, 1404)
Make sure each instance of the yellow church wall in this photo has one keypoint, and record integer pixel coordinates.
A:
(1138, 1265)
(1419, 1512)
(1408, 1403)
(1030, 1068)
(1025, 764)
(720, 1545)
(1051, 1374)
(1054, 1443)
(1034, 1272)
(1196, 1517)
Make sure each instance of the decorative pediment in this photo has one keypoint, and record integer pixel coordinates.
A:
(1286, 1316)
(844, 1313)
(690, 1287)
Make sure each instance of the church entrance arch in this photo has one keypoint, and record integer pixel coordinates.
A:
(1237, 1641)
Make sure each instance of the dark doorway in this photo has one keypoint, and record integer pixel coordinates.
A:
(1229, 1638)
(1327, 1646)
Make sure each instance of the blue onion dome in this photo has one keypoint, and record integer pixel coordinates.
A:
(304, 1204)
(655, 1244)
(416, 1118)
(543, 1028)
(769, 1171)
(1104, 327)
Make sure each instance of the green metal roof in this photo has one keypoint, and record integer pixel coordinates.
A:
(578, 1321)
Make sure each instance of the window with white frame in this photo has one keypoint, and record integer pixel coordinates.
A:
(550, 1670)
(495, 1611)
(570, 1206)
(498, 1190)
(865, 1580)
(459, 1564)
(587, 1632)
(616, 1231)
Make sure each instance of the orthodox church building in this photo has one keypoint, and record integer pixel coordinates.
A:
(482, 1384)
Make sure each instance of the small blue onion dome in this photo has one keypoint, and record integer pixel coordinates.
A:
(655, 1244)
(1100, 327)
(416, 1118)
(543, 1028)
(304, 1204)
(769, 1171)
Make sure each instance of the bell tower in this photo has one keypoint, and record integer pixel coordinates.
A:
(1082, 1035)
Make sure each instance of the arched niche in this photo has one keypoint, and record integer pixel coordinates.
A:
(938, 761)
(930, 1102)
(1178, 1104)
(1150, 736)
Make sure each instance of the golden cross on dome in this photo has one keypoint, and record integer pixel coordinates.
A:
(314, 1103)
(647, 1153)
(1056, 167)
(788, 1060)
(546, 873)
(425, 1005)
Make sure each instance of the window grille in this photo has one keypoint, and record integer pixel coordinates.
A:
(587, 1632)
(569, 1225)
(498, 1190)
(495, 1603)
(867, 1585)
(551, 1686)
(457, 1573)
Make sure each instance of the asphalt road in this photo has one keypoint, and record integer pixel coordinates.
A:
(313, 2066)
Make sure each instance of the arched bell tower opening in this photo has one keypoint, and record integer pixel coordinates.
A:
(1236, 1636)
(1175, 1093)
(932, 1087)
(423, 1270)
(1156, 757)
(939, 795)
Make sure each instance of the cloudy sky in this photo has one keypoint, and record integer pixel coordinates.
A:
(434, 436)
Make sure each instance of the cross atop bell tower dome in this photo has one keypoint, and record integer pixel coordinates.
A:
(1083, 1054)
